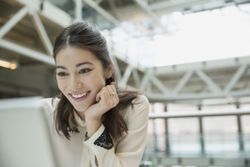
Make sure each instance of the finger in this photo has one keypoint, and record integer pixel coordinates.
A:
(111, 95)
(113, 83)
(115, 91)
(116, 98)
(110, 90)
(113, 88)
(116, 94)
(98, 96)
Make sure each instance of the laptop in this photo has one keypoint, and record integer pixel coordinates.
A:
(24, 135)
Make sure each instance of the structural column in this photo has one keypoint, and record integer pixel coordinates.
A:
(167, 141)
(155, 135)
(201, 133)
(240, 133)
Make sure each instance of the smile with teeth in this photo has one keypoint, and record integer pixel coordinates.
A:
(79, 95)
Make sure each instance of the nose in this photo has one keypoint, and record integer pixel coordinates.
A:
(75, 82)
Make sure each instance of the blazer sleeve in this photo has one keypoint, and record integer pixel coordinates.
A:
(129, 150)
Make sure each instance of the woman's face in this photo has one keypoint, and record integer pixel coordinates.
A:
(80, 76)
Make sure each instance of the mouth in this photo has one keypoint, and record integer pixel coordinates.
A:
(79, 96)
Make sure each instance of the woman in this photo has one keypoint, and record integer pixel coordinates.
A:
(92, 122)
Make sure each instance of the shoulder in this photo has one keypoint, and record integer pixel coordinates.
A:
(140, 100)
(137, 114)
(50, 104)
(140, 104)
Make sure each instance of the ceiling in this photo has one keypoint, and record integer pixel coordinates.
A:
(109, 13)
(26, 44)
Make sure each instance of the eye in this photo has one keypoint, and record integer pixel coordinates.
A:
(84, 70)
(62, 74)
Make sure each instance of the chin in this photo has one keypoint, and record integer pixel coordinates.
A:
(80, 109)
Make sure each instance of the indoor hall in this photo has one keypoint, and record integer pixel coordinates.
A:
(189, 58)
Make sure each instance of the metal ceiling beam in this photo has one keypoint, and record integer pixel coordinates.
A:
(78, 10)
(175, 5)
(212, 86)
(183, 82)
(151, 82)
(42, 32)
(13, 21)
(235, 78)
(153, 115)
(116, 68)
(146, 78)
(195, 96)
(196, 5)
(146, 8)
(101, 11)
(26, 52)
(159, 84)
(126, 76)
(205, 65)
(37, 22)
(136, 78)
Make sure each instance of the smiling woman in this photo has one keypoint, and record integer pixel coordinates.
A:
(80, 75)
(93, 123)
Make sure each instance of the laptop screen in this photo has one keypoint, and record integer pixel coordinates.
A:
(24, 134)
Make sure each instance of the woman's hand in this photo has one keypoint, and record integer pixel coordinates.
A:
(106, 99)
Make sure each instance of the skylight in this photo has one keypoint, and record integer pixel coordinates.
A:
(210, 35)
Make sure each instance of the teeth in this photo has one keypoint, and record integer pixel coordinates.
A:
(79, 95)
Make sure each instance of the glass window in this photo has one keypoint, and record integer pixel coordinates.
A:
(246, 131)
(220, 134)
(184, 136)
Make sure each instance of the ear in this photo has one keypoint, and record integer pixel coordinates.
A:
(109, 71)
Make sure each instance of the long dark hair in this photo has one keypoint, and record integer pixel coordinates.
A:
(82, 35)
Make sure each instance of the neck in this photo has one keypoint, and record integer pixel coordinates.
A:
(80, 114)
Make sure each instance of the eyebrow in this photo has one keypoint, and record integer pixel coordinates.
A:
(77, 65)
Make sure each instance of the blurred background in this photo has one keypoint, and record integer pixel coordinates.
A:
(190, 57)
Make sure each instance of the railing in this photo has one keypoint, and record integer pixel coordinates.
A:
(202, 149)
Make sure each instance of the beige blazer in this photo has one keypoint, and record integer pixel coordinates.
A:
(99, 150)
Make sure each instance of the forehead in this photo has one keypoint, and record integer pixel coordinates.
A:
(73, 55)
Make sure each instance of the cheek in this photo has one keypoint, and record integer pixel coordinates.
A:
(101, 80)
(102, 83)
(96, 82)
(95, 79)
(61, 84)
